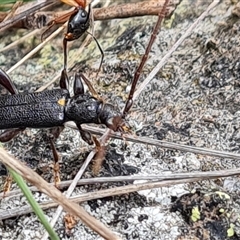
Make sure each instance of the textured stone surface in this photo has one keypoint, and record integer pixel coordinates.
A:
(193, 100)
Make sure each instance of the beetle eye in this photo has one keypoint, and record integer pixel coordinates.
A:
(90, 107)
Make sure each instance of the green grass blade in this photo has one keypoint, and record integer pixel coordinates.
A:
(36, 208)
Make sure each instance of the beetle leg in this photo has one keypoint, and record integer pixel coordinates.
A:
(8, 134)
(56, 167)
(86, 136)
(4, 137)
(64, 82)
(78, 87)
(7, 184)
(100, 150)
(65, 54)
(99, 156)
(88, 83)
(55, 132)
(7, 83)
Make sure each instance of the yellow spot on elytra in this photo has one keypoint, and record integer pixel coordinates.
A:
(62, 102)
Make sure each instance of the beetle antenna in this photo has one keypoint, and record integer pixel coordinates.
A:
(129, 101)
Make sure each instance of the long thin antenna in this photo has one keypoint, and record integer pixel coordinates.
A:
(129, 101)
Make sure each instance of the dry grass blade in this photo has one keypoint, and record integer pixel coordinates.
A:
(11, 13)
(22, 39)
(162, 176)
(55, 194)
(159, 143)
(36, 49)
(102, 193)
(162, 180)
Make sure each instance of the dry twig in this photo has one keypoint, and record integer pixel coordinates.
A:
(125, 10)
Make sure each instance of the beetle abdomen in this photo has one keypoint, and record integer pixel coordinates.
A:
(35, 110)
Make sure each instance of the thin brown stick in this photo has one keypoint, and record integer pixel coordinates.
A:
(134, 10)
(55, 194)
(13, 10)
(166, 180)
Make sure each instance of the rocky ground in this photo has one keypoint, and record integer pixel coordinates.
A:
(193, 100)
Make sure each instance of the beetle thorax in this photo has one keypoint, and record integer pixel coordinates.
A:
(83, 109)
